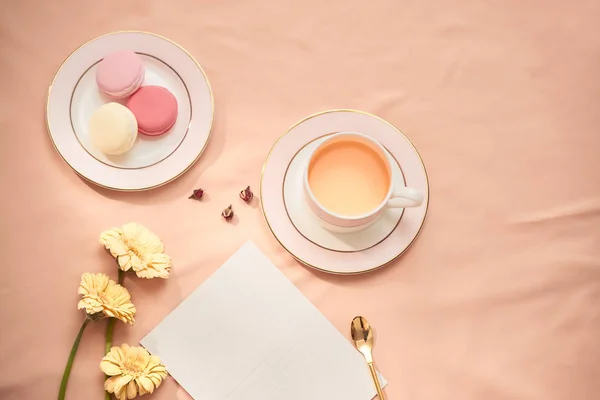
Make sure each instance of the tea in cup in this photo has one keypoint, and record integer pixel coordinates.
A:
(349, 181)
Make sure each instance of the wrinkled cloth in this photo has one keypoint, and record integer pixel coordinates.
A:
(498, 298)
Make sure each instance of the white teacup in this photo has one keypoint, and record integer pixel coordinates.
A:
(349, 181)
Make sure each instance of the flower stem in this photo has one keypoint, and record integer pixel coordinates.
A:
(65, 378)
(110, 328)
(111, 321)
(121, 273)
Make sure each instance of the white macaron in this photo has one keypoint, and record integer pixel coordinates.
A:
(113, 129)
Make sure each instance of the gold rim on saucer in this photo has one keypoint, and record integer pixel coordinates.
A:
(145, 166)
(298, 258)
(49, 130)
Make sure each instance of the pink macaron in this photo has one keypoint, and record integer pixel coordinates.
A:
(120, 74)
(155, 109)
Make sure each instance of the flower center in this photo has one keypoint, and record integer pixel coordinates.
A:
(133, 249)
(132, 369)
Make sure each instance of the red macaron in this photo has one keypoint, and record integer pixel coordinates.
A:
(155, 109)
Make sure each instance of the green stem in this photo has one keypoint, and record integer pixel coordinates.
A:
(121, 276)
(65, 378)
(111, 321)
(106, 395)
(110, 328)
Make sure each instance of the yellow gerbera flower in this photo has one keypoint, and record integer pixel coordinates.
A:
(131, 371)
(136, 247)
(101, 296)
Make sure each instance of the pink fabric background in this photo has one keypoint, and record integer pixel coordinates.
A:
(499, 298)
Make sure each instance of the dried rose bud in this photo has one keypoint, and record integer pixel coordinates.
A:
(227, 213)
(197, 194)
(247, 195)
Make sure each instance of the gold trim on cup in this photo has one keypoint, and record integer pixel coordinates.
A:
(212, 101)
(299, 259)
(312, 241)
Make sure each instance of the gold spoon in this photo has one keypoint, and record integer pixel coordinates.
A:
(362, 334)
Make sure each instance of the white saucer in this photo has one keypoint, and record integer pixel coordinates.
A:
(313, 229)
(153, 161)
(296, 228)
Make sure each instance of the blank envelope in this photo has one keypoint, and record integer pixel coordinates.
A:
(248, 333)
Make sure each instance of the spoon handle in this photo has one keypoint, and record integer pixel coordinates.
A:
(376, 382)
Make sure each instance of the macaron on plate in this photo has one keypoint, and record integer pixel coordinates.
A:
(130, 111)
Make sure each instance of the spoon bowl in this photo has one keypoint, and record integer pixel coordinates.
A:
(362, 335)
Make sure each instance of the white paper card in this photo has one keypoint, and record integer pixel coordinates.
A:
(248, 333)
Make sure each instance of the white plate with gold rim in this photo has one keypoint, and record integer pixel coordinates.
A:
(153, 161)
(296, 228)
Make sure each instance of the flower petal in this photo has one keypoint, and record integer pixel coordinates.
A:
(162, 264)
(157, 380)
(123, 393)
(86, 283)
(143, 238)
(146, 383)
(93, 288)
(131, 390)
(136, 262)
(141, 389)
(109, 367)
(110, 234)
(121, 381)
(124, 262)
(109, 384)
(135, 371)
(116, 246)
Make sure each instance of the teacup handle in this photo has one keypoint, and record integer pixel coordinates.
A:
(404, 197)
